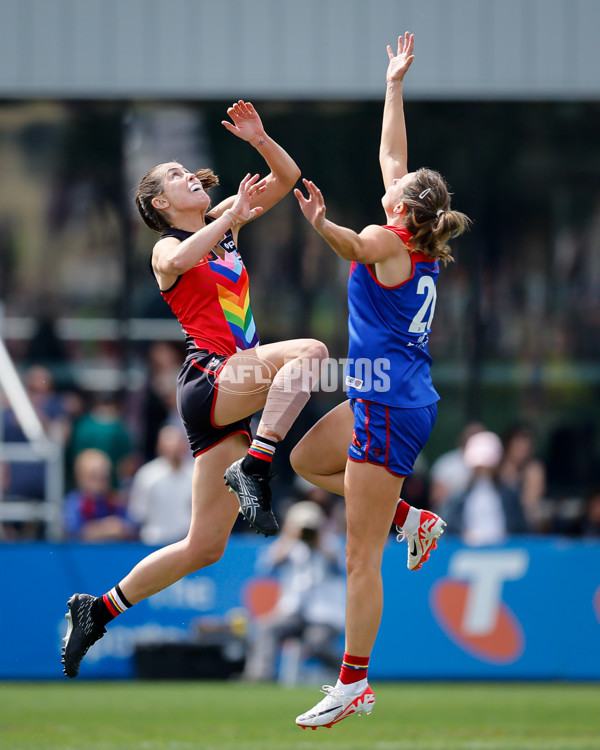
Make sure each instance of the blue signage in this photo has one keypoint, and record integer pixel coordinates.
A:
(529, 609)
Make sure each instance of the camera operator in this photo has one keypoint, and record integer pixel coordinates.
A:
(311, 568)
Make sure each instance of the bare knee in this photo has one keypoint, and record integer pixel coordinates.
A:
(298, 460)
(319, 350)
(361, 559)
(312, 349)
(199, 556)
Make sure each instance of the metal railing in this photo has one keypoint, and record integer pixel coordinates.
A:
(38, 448)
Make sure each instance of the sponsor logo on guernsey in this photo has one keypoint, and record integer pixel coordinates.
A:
(468, 604)
(354, 382)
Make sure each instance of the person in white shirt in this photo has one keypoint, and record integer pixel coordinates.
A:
(311, 607)
(488, 511)
(449, 474)
(161, 499)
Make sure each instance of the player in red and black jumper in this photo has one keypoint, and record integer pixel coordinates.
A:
(227, 375)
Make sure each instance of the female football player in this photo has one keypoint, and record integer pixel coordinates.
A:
(364, 448)
(227, 375)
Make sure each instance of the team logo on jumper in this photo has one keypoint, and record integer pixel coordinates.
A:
(469, 608)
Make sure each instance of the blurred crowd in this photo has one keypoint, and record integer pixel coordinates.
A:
(128, 470)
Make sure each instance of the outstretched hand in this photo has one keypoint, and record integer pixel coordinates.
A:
(402, 60)
(312, 207)
(247, 124)
(240, 212)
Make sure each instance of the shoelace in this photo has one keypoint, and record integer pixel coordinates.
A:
(265, 500)
(332, 692)
(402, 535)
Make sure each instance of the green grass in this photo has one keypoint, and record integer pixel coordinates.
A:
(238, 716)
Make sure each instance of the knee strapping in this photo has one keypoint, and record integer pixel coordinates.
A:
(287, 397)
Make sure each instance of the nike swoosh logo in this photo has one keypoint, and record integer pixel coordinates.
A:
(414, 548)
(329, 710)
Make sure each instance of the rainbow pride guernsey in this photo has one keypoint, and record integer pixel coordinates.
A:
(389, 327)
(212, 300)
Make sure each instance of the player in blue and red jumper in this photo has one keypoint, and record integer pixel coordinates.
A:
(227, 375)
(364, 448)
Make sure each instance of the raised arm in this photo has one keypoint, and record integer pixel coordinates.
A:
(393, 150)
(247, 125)
(372, 245)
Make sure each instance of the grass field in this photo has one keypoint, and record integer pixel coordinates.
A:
(237, 716)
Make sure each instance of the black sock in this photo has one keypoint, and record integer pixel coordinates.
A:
(106, 608)
(260, 456)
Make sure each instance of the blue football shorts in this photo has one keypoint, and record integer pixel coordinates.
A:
(390, 436)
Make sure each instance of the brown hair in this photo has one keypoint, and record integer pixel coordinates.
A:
(151, 185)
(429, 216)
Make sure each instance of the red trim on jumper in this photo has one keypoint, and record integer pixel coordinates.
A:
(237, 432)
(396, 286)
(415, 257)
(405, 234)
(110, 606)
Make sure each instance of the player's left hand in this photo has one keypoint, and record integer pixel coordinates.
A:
(241, 212)
(247, 124)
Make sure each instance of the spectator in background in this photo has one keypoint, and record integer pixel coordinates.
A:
(449, 474)
(103, 427)
(311, 606)
(93, 511)
(522, 471)
(488, 510)
(164, 360)
(161, 497)
(331, 505)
